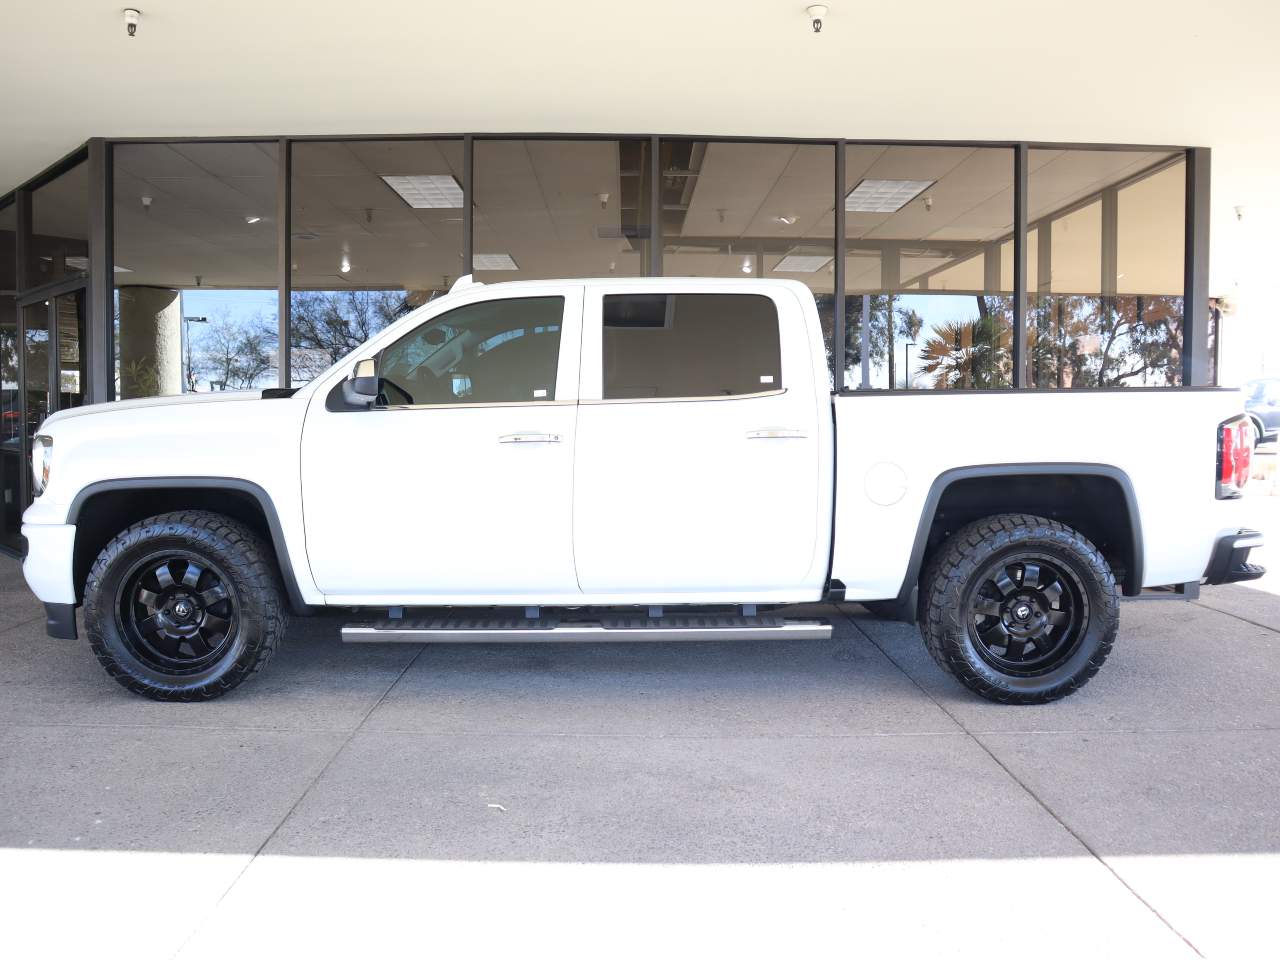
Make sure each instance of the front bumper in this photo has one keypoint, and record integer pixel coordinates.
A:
(47, 565)
(1229, 562)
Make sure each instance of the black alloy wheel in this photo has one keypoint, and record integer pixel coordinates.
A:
(177, 612)
(1027, 613)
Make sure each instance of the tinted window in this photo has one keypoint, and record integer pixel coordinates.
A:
(690, 345)
(499, 351)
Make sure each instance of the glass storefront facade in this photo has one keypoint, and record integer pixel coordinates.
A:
(140, 268)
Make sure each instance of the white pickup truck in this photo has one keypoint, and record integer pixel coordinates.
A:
(627, 459)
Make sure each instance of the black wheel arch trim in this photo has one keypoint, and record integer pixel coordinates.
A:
(905, 602)
(260, 496)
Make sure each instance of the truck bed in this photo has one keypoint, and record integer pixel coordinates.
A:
(897, 454)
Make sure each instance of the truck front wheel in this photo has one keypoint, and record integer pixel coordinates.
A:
(184, 606)
(1020, 609)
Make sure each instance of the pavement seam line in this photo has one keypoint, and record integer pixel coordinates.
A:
(294, 806)
(1031, 793)
(1236, 616)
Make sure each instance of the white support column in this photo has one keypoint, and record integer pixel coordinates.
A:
(150, 342)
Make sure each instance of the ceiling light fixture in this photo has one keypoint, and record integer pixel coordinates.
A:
(493, 261)
(816, 12)
(430, 191)
(252, 219)
(131, 17)
(798, 261)
(884, 196)
(345, 266)
(746, 265)
(787, 221)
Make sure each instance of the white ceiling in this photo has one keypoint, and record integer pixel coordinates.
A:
(1174, 72)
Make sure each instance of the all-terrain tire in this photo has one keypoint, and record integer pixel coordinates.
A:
(223, 559)
(970, 574)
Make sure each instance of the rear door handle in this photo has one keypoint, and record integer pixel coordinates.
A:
(775, 433)
(530, 438)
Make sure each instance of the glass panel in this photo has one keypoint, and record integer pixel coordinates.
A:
(60, 228)
(195, 270)
(500, 351)
(1105, 268)
(11, 460)
(73, 369)
(690, 345)
(35, 318)
(560, 208)
(929, 266)
(376, 232)
(751, 209)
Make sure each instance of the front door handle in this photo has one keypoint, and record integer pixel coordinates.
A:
(530, 438)
(775, 433)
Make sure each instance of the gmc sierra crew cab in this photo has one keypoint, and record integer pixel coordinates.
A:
(627, 459)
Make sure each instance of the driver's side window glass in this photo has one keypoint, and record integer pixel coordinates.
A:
(495, 351)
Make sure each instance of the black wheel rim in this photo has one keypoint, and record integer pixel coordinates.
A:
(1027, 614)
(178, 612)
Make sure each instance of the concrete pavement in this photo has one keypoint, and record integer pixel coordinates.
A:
(798, 798)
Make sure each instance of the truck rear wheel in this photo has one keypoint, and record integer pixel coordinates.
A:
(184, 606)
(1020, 609)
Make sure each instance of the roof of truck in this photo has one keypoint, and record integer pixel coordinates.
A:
(466, 283)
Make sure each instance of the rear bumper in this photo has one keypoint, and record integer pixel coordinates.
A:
(1229, 562)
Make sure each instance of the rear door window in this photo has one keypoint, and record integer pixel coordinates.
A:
(689, 345)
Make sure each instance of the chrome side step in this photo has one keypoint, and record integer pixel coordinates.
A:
(596, 630)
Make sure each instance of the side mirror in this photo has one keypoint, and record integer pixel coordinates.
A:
(362, 388)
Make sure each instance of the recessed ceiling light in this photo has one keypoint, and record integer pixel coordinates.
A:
(787, 221)
(252, 219)
(82, 263)
(884, 196)
(492, 261)
(803, 262)
(429, 191)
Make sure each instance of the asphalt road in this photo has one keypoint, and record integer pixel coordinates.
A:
(789, 799)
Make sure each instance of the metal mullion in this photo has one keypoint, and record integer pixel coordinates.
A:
(22, 199)
(284, 273)
(1020, 157)
(55, 342)
(838, 321)
(655, 207)
(1195, 298)
(468, 204)
(99, 300)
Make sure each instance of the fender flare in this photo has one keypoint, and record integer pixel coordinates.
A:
(259, 496)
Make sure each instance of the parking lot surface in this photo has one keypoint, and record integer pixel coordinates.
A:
(797, 798)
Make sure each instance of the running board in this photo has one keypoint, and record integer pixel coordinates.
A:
(599, 630)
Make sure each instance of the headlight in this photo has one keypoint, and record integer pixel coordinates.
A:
(41, 457)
